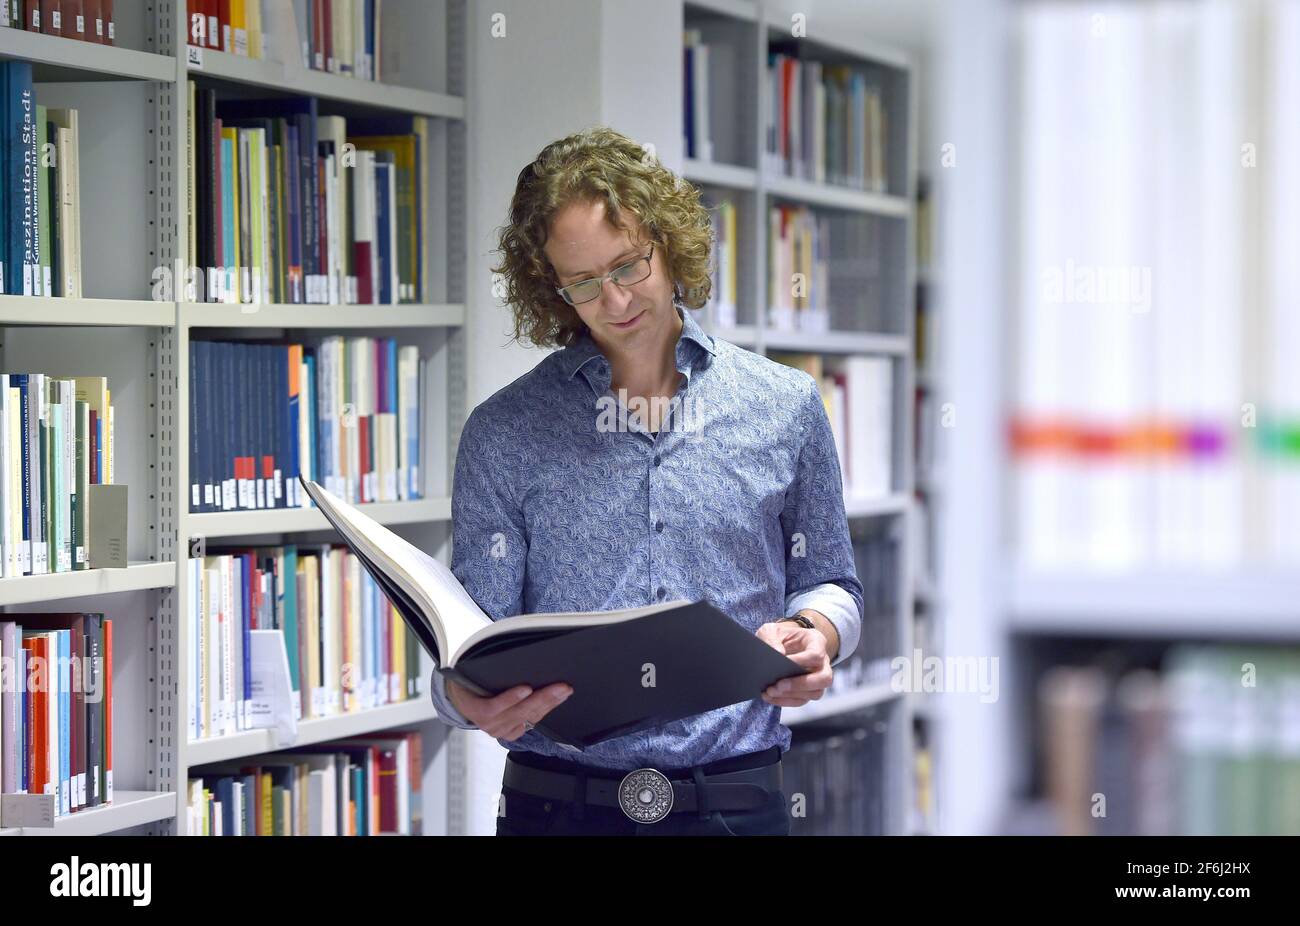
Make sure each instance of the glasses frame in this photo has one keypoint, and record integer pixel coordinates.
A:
(648, 258)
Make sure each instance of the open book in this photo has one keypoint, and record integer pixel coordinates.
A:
(629, 669)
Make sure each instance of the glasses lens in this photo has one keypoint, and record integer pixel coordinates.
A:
(582, 292)
(631, 273)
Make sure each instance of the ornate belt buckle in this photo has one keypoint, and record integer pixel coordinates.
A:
(646, 795)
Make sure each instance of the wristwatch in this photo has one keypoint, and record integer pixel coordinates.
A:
(801, 620)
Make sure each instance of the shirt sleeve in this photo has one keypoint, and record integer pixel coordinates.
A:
(489, 547)
(819, 566)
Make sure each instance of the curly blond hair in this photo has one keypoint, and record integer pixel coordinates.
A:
(598, 163)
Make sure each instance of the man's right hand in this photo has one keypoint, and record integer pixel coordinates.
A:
(502, 716)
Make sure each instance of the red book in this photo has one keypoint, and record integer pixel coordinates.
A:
(223, 20)
(108, 711)
(327, 29)
(361, 260)
(38, 716)
(92, 14)
(106, 10)
(213, 11)
(52, 18)
(388, 791)
(75, 22)
(197, 29)
(318, 34)
(363, 438)
(32, 15)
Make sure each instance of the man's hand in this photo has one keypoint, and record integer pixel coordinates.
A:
(502, 716)
(808, 649)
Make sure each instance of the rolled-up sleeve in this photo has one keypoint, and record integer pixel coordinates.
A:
(820, 573)
(489, 545)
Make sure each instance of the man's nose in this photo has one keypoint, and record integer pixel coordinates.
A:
(616, 298)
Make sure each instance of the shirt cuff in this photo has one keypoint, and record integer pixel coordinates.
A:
(446, 710)
(838, 607)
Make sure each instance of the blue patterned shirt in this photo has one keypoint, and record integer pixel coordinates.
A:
(562, 502)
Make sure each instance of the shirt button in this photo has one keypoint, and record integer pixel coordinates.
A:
(657, 459)
(661, 592)
(659, 527)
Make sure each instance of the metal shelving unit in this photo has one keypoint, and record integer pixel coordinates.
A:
(139, 125)
(754, 189)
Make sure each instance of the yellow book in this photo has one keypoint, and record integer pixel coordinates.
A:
(239, 26)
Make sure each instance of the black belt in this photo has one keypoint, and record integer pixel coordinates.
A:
(647, 795)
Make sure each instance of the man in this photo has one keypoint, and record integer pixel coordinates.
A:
(718, 479)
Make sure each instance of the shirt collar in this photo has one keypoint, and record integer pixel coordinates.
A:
(584, 354)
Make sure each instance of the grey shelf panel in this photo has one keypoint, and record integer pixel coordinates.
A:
(300, 81)
(832, 705)
(724, 175)
(58, 59)
(58, 310)
(837, 342)
(319, 730)
(745, 10)
(301, 520)
(129, 808)
(1162, 605)
(742, 335)
(53, 586)
(836, 197)
(270, 315)
(859, 507)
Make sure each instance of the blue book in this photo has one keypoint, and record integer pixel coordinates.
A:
(246, 620)
(20, 178)
(313, 428)
(383, 240)
(20, 380)
(4, 175)
(225, 793)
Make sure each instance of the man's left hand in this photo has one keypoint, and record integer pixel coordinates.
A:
(805, 647)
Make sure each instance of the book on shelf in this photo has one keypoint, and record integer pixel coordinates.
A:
(337, 36)
(56, 708)
(363, 786)
(723, 298)
(348, 649)
(798, 248)
(40, 193)
(290, 206)
(832, 767)
(82, 20)
(346, 412)
(825, 123)
(857, 393)
(56, 441)
(1204, 745)
(608, 697)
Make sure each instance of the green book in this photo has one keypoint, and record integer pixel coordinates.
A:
(45, 205)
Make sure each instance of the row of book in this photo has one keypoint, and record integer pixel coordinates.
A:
(1125, 493)
(40, 191)
(347, 648)
(834, 780)
(368, 786)
(857, 392)
(56, 443)
(1207, 745)
(56, 708)
(84, 20)
(345, 413)
(288, 206)
(723, 296)
(825, 122)
(338, 36)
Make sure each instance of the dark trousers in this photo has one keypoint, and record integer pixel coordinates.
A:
(528, 815)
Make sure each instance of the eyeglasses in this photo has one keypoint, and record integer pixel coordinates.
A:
(631, 273)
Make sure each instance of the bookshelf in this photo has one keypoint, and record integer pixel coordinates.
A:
(740, 35)
(133, 102)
